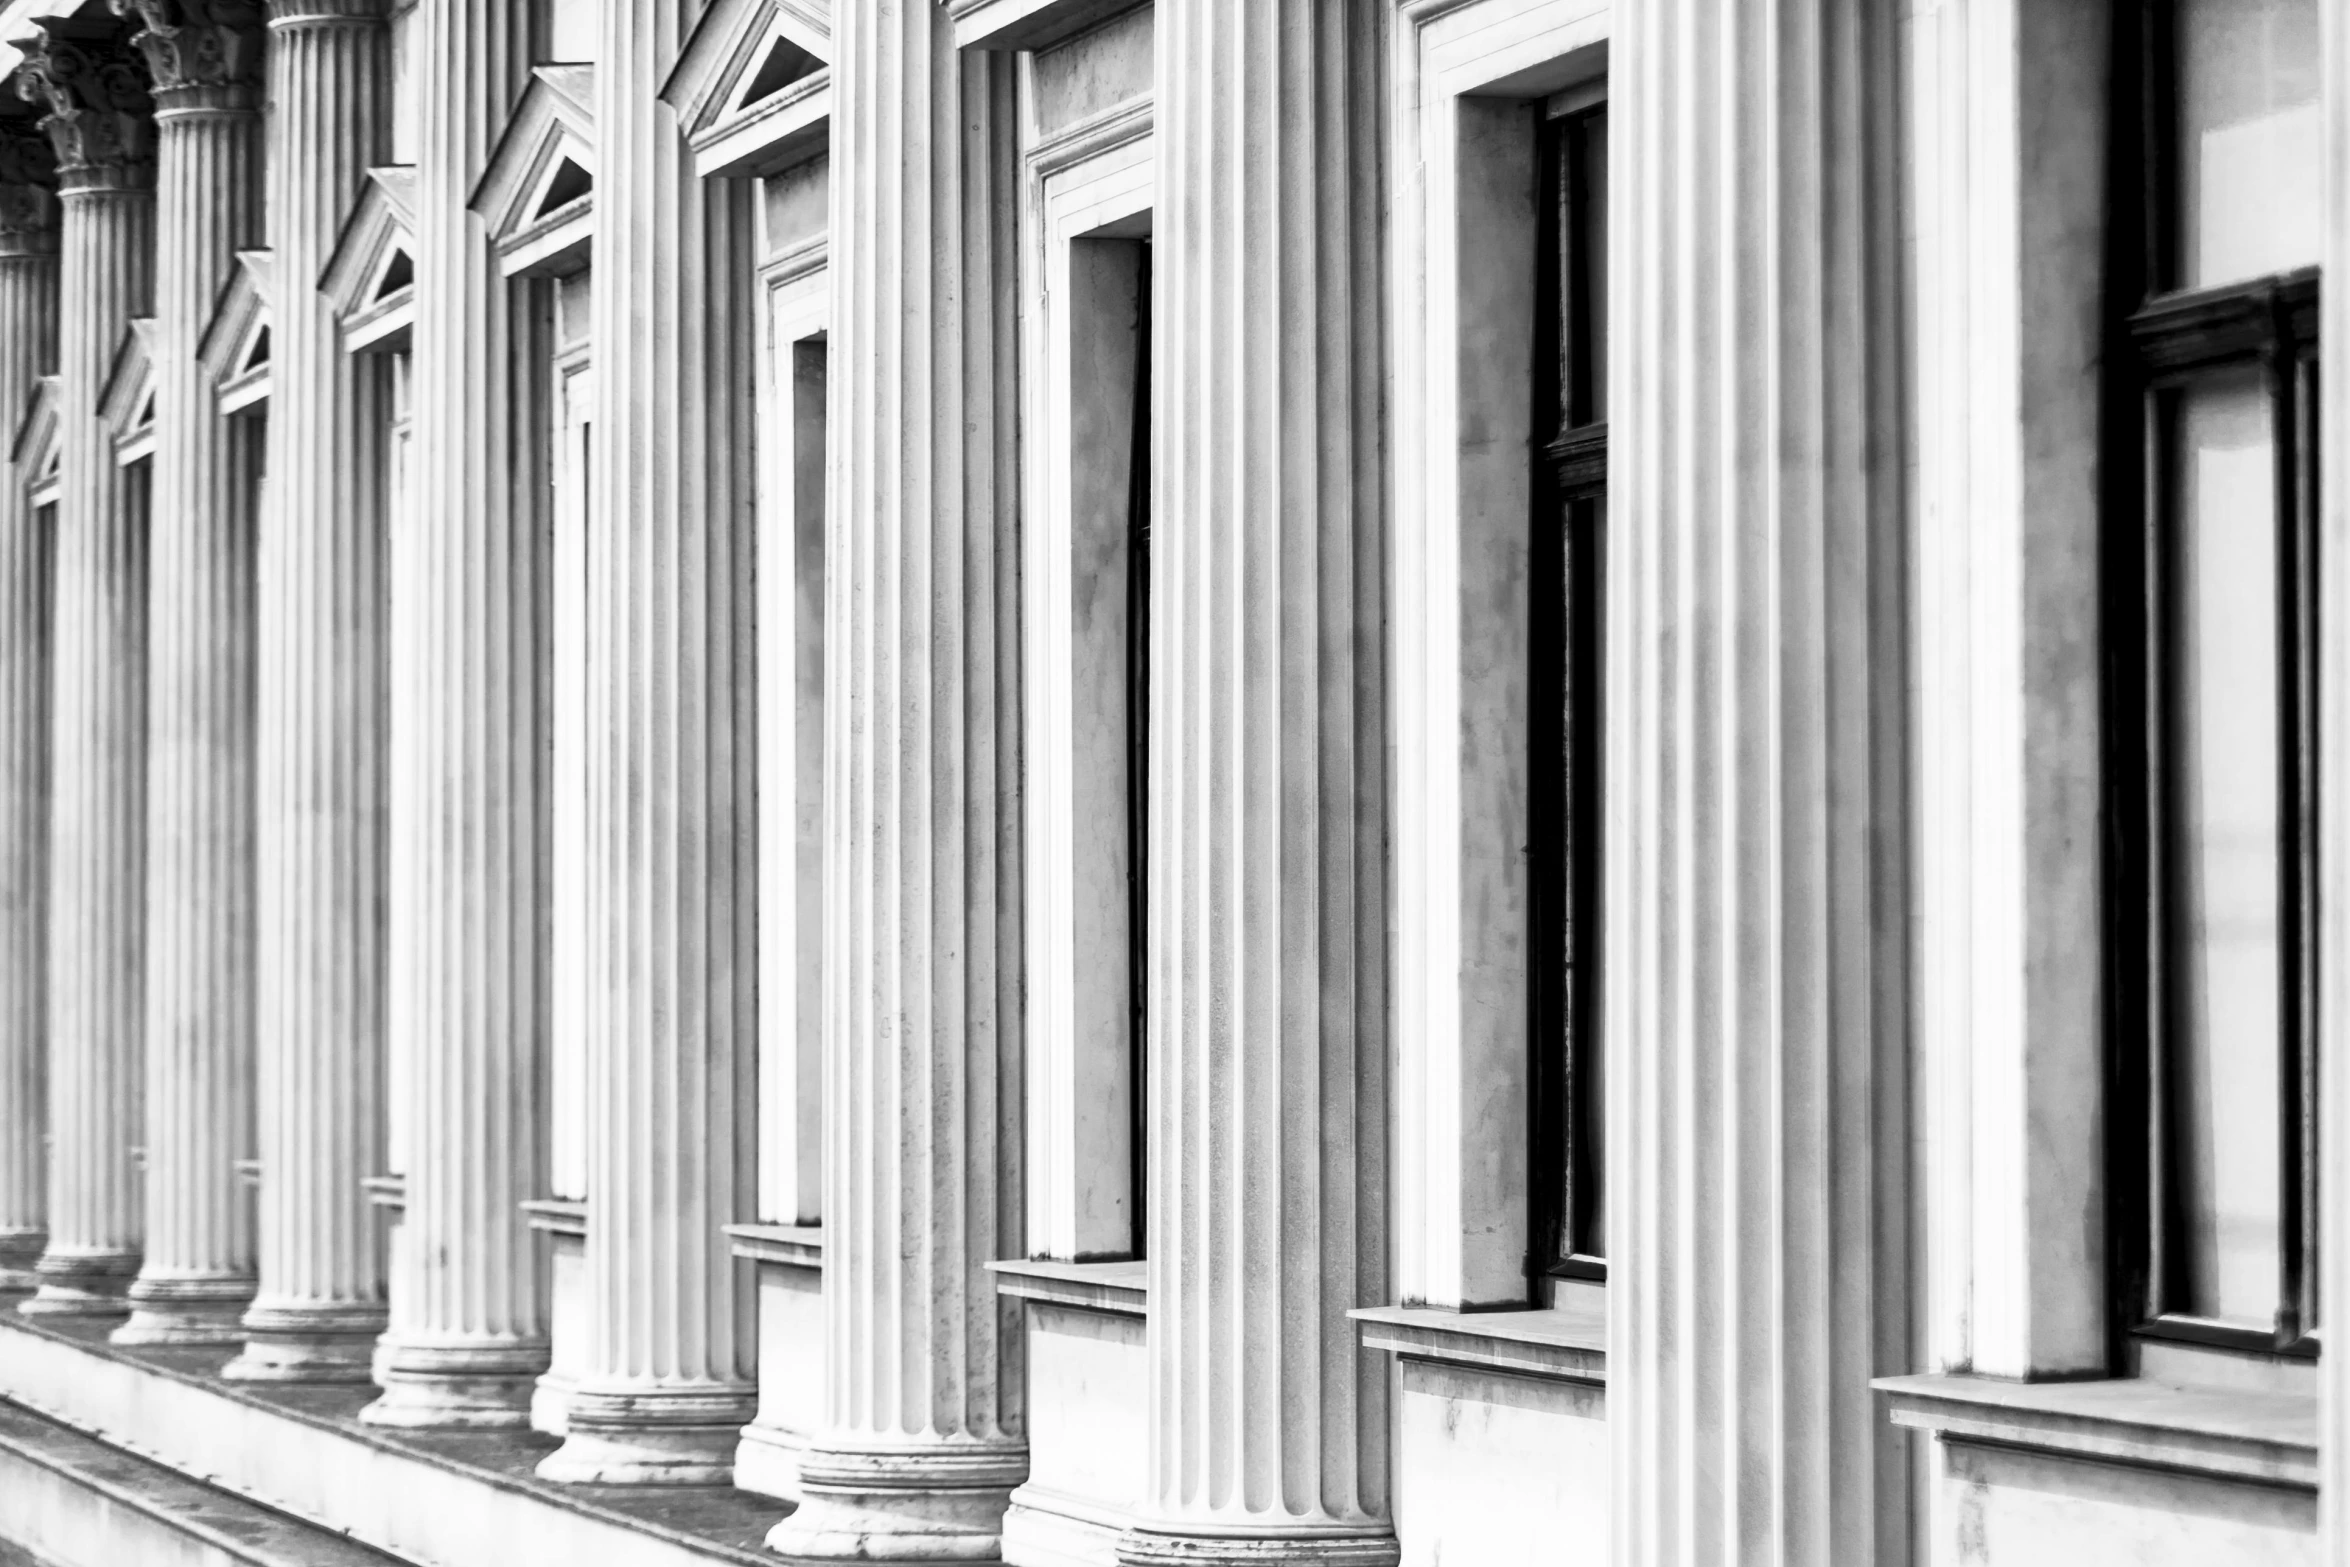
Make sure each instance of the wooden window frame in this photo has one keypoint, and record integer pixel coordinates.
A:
(1566, 689)
(2166, 340)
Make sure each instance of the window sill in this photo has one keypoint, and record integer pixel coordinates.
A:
(1562, 1344)
(1119, 1289)
(793, 1245)
(2230, 1433)
(557, 1216)
(389, 1192)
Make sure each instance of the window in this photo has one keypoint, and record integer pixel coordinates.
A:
(2213, 787)
(1565, 687)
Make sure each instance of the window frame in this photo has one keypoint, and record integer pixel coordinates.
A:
(2166, 340)
(1567, 714)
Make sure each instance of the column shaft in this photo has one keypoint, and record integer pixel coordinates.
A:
(199, 1268)
(1755, 789)
(470, 791)
(28, 350)
(1268, 982)
(97, 893)
(323, 692)
(672, 810)
(923, 1436)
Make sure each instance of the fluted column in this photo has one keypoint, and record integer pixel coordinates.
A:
(672, 806)
(204, 57)
(28, 350)
(1268, 925)
(2333, 1140)
(323, 692)
(99, 124)
(469, 1334)
(1755, 813)
(923, 1436)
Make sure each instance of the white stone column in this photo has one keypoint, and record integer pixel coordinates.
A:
(28, 350)
(322, 709)
(1268, 940)
(204, 58)
(2334, 763)
(1755, 908)
(923, 1438)
(672, 810)
(469, 863)
(99, 124)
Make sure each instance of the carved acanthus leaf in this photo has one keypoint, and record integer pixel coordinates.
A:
(101, 118)
(198, 45)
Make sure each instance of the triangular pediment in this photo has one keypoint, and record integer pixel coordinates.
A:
(35, 452)
(234, 350)
(753, 86)
(126, 403)
(538, 193)
(370, 280)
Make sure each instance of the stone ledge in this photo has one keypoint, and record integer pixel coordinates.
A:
(1027, 24)
(1561, 1344)
(2270, 1438)
(1118, 1288)
(793, 1245)
(456, 1499)
(71, 1499)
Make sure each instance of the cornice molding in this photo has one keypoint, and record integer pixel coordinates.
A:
(126, 402)
(234, 351)
(100, 116)
(36, 448)
(203, 56)
(369, 281)
(753, 88)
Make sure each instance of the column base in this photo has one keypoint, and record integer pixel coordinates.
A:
(475, 1387)
(186, 1311)
(322, 1344)
(1173, 1546)
(929, 1504)
(649, 1435)
(82, 1284)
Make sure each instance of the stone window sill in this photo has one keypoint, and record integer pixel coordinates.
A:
(557, 1216)
(1561, 1344)
(2231, 1433)
(790, 1245)
(383, 1191)
(1120, 1289)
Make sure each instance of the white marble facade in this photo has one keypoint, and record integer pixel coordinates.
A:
(639, 639)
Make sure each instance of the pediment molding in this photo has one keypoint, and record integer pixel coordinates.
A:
(126, 402)
(234, 349)
(753, 87)
(538, 192)
(36, 451)
(370, 279)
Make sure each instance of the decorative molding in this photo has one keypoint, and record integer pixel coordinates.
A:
(753, 89)
(234, 349)
(786, 1245)
(537, 193)
(101, 117)
(126, 400)
(1029, 24)
(370, 277)
(1568, 1344)
(1119, 1289)
(28, 188)
(557, 1216)
(35, 450)
(1091, 137)
(203, 55)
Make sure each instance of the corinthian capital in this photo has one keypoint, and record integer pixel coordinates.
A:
(203, 54)
(28, 189)
(101, 120)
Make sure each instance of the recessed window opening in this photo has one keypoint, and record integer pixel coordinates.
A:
(1568, 563)
(2213, 781)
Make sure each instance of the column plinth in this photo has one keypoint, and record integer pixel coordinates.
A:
(198, 1272)
(923, 1438)
(28, 350)
(668, 1381)
(469, 1332)
(99, 126)
(1755, 789)
(1268, 921)
(323, 696)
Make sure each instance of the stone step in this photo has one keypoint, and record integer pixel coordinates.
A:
(70, 1500)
